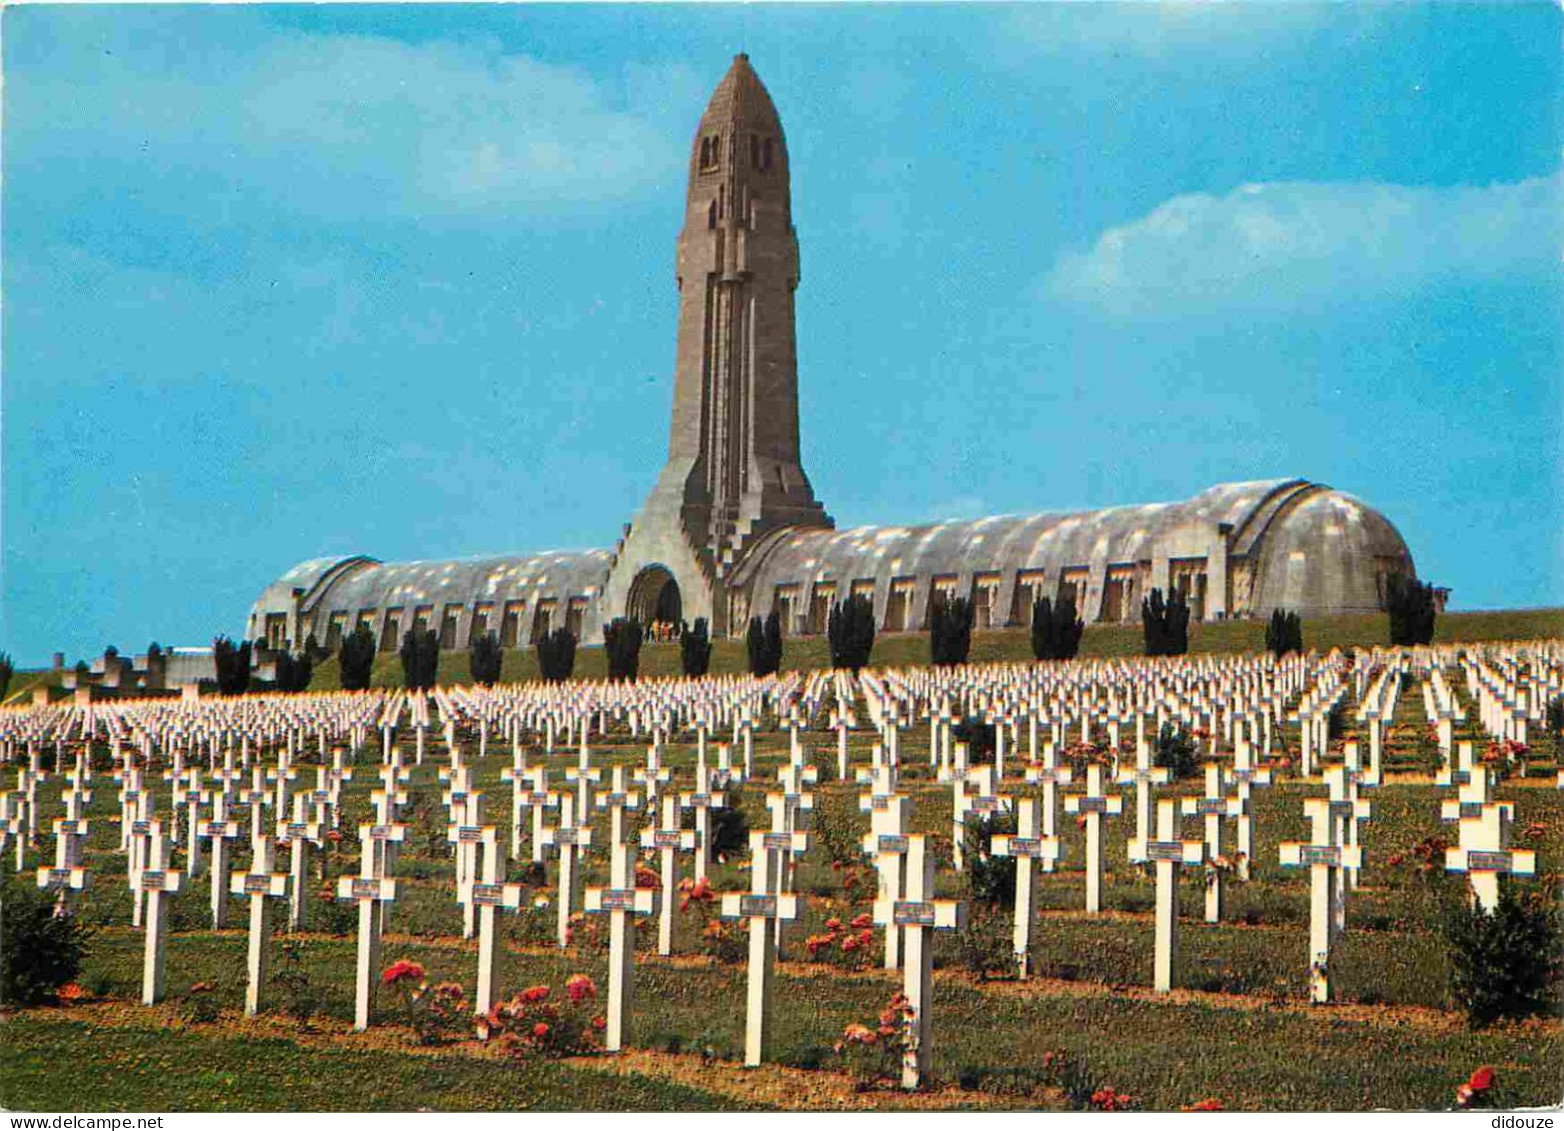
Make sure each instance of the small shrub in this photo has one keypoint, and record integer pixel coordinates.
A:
(40, 949)
(695, 649)
(1284, 633)
(835, 828)
(299, 1000)
(985, 948)
(871, 1054)
(433, 1013)
(200, 1005)
(991, 880)
(8, 669)
(1176, 752)
(537, 1023)
(1504, 963)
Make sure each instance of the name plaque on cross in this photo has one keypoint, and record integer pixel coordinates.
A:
(666, 838)
(1342, 809)
(612, 799)
(617, 899)
(1092, 804)
(55, 877)
(912, 914)
(537, 798)
(141, 828)
(365, 888)
(755, 906)
(1165, 850)
(1311, 854)
(1469, 809)
(488, 895)
(257, 884)
(984, 805)
(153, 881)
(879, 802)
(892, 843)
(777, 841)
(1478, 860)
(297, 829)
(469, 834)
(1206, 806)
(65, 827)
(569, 837)
(1025, 846)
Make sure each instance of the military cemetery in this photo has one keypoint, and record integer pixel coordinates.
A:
(1196, 806)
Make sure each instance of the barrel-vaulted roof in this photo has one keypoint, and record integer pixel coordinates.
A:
(1004, 543)
(377, 585)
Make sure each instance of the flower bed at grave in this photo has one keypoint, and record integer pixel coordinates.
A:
(539, 1023)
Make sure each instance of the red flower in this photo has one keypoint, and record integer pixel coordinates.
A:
(579, 987)
(1211, 1103)
(1482, 1079)
(833, 924)
(402, 971)
(862, 922)
(540, 1030)
(534, 994)
(599, 1022)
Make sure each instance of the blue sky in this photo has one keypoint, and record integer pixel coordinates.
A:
(288, 282)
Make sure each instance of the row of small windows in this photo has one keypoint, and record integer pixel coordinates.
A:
(505, 618)
(760, 153)
(1123, 588)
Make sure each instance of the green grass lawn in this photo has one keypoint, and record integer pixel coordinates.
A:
(1256, 1047)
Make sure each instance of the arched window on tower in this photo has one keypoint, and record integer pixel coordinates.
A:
(711, 152)
(765, 155)
(754, 151)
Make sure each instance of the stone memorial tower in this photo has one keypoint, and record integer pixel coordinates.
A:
(733, 472)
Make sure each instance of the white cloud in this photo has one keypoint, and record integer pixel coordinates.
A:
(337, 125)
(1290, 245)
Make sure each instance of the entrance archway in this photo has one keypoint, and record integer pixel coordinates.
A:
(654, 596)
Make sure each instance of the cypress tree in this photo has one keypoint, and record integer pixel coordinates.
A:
(950, 632)
(233, 665)
(557, 655)
(357, 657)
(622, 642)
(485, 659)
(1165, 623)
(773, 637)
(1412, 611)
(850, 631)
(695, 648)
(1056, 632)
